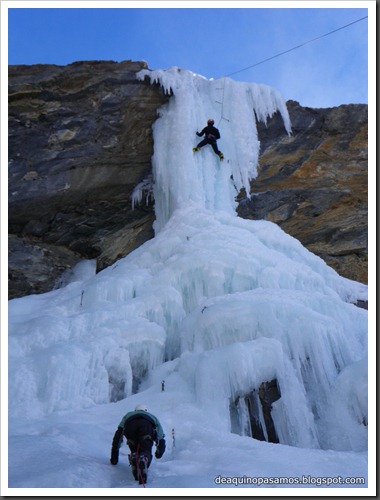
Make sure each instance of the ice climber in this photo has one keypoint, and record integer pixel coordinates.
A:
(211, 134)
(140, 429)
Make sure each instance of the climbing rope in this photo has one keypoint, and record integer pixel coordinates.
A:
(222, 117)
(138, 465)
(297, 47)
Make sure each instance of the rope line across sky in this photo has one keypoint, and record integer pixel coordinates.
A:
(297, 47)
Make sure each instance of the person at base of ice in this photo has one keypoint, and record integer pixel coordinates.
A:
(211, 134)
(140, 429)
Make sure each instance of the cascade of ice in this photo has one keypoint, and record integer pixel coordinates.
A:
(230, 303)
(179, 175)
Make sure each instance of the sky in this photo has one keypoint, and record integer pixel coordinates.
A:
(214, 39)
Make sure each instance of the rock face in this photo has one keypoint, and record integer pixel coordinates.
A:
(80, 141)
(251, 413)
(314, 184)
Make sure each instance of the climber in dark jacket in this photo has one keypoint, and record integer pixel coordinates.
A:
(140, 429)
(211, 134)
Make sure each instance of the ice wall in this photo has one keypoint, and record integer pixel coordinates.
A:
(234, 302)
(179, 174)
(219, 302)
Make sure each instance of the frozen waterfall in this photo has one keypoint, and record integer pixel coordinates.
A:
(215, 304)
(180, 176)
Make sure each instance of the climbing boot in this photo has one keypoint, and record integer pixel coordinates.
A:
(132, 461)
(143, 469)
(221, 156)
(196, 149)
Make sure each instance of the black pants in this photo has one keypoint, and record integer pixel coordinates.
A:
(139, 434)
(212, 143)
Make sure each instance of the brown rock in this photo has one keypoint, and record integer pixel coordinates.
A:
(314, 183)
(80, 140)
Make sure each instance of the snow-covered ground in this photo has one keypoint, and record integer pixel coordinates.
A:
(213, 306)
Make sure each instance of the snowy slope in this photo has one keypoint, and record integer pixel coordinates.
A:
(213, 305)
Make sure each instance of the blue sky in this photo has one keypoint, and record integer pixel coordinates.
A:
(212, 41)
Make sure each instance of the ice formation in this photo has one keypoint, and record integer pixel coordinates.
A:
(179, 175)
(215, 304)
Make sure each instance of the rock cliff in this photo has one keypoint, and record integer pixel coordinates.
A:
(314, 184)
(80, 140)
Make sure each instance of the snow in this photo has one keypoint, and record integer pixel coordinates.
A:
(213, 305)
